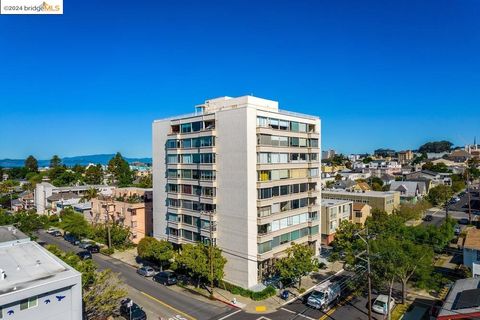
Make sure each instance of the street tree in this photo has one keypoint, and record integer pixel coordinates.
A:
(31, 164)
(300, 261)
(102, 298)
(195, 260)
(439, 195)
(154, 250)
(74, 223)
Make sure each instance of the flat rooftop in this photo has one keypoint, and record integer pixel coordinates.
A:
(332, 202)
(382, 194)
(27, 264)
(462, 299)
(10, 233)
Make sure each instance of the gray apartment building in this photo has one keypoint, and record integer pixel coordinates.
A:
(242, 173)
(34, 284)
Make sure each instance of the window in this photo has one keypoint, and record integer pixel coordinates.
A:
(186, 158)
(262, 158)
(186, 127)
(29, 303)
(294, 142)
(302, 127)
(186, 143)
(197, 126)
(264, 211)
(171, 144)
(314, 143)
(262, 122)
(358, 214)
(264, 247)
(294, 126)
(172, 158)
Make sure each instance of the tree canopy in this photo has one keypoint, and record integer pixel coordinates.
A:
(120, 170)
(31, 164)
(436, 146)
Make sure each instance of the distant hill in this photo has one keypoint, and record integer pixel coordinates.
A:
(71, 161)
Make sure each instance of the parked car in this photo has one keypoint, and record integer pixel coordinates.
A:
(56, 233)
(463, 221)
(93, 248)
(165, 277)
(428, 217)
(71, 238)
(84, 243)
(146, 271)
(51, 230)
(131, 311)
(380, 304)
(456, 199)
(458, 230)
(84, 255)
(273, 281)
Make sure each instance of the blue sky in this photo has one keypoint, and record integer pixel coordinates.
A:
(379, 73)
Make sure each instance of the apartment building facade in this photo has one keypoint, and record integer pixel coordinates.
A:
(333, 213)
(242, 174)
(386, 201)
(131, 207)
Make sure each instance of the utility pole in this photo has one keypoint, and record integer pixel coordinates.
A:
(468, 195)
(369, 274)
(107, 209)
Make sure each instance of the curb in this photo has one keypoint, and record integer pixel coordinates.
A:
(311, 288)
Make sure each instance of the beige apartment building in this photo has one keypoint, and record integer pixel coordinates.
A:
(242, 173)
(333, 213)
(361, 211)
(382, 200)
(131, 207)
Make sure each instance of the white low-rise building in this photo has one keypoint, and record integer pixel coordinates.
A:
(34, 284)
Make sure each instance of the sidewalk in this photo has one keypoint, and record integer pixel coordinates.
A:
(273, 303)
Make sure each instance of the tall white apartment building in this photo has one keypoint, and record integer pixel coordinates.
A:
(242, 172)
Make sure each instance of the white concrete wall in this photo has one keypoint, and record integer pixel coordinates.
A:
(237, 194)
(160, 131)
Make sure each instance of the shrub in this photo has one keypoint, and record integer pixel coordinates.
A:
(301, 290)
(107, 251)
(257, 296)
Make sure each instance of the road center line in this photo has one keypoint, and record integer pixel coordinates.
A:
(168, 306)
(297, 314)
(230, 314)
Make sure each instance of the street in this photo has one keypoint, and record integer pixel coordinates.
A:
(158, 301)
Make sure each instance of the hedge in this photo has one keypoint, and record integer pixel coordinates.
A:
(256, 296)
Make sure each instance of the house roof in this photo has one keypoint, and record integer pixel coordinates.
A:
(460, 153)
(462, 301)
(358, 206)
(472, 239)
(64, 196)
(408, 188)
(363, 186)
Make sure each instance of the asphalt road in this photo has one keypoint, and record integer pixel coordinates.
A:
(165, 303)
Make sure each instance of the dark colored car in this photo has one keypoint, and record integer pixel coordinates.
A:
(71, 238)
(428, 217)
(463, 221)
(93, 248)
(84, 255)
(56, 233)
(132, 311)
(167, 278)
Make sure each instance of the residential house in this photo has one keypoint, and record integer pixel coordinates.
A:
(333, 213)
(405, 157)
(34, 283)
(409, 190)
(377, 168)
(131, 207)
(361, 211)
(459, 155)
(471, 251)
(267, 162)
(436, 178)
